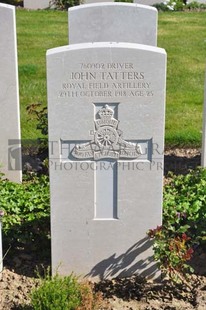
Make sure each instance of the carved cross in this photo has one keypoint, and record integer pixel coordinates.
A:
(106, 149)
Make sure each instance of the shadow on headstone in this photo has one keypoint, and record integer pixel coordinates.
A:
(127, 263)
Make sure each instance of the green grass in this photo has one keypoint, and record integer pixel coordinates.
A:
(183, 36)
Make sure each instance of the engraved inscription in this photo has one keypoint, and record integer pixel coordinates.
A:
(112, 65)
(106, 80)
(108, 140)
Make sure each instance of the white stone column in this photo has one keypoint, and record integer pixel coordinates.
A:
(203, 153)
(10, 146)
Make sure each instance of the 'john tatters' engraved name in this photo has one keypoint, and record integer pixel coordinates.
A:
(132, 75)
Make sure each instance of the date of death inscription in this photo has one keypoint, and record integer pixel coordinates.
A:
(106, 80)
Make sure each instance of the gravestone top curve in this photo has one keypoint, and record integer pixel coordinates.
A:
(112, 4)
(8, 6)
(124, 45)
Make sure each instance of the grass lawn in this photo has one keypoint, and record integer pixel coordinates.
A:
(37, 31)
(182, 34)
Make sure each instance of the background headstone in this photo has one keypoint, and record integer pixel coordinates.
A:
(10, 152)
(198, 1)
(147, 2)
(37, 4)
(113, 22)
(106, 106)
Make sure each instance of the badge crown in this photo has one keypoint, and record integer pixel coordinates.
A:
(106, 112)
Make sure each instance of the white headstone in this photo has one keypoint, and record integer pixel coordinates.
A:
(148, 2)
(10, 153)
(37, 4)
(113, 22)
(198, 1)
(106, 106)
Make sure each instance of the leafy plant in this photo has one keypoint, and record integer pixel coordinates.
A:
(184, 223)
(161, 7)
(172, 253)
(170, 5)
(40, 113)
(179, 5)
(194, 5)
(26, 212)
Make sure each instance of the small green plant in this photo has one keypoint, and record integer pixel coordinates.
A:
(62, 293)
(184, 223)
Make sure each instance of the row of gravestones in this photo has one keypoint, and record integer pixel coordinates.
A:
(106, 105)
(43, 4)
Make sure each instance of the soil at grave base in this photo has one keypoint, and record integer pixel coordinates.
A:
(17, 278)
(117, 294)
